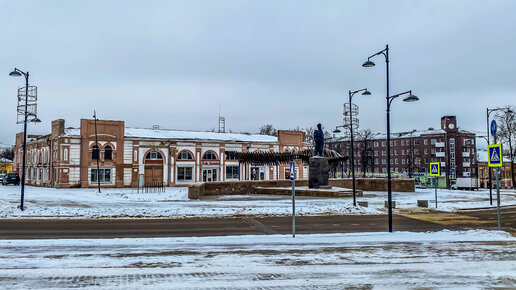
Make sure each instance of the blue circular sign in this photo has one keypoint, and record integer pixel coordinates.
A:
(493, 127)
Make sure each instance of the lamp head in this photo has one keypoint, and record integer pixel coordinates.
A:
(366, 93)
(336, 130)
(509, 111)
(36, 120)
(15, 73)
(411, 98)
(368, 63)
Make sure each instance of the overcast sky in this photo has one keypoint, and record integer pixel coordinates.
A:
(289, 63)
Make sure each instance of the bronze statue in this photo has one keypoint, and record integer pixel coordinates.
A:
(319, 141)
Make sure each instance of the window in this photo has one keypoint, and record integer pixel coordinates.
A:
(403, 161)
(384, 161)
(375, 144)
(184, 155)
(376, 153)
(95, 152)
(402, 151)
(209, 156)
(425, 141)
(426, 151)
(184, 173)
(108, 153)
(416, 142)
(396, 161)
(376, 161)
(383, 143)
(402, 142)
(232, 172)
(384, 153)
(104, 175)
(153, 155)
(433, 141)
(234, 158)
(65, 154)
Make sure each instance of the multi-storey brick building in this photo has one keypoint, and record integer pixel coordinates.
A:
(129, 157)
(412, 152)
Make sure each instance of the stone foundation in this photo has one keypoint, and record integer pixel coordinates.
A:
(199, 190)
(318, 172)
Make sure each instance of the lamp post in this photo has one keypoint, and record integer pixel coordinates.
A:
(98, 150)
(365, 92)
(18, 73)
(488, 112)
(389, 98)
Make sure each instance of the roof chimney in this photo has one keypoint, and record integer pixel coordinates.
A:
(430, 129)
(155, 127)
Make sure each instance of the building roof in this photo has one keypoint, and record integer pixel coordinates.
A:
(187, 135)
(409, 134)
(4, 160)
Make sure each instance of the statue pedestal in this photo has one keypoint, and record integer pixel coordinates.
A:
(318, 172)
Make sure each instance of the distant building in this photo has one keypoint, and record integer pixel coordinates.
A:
(6, 165)
(413, 151)
(131, 156)
(505, 171)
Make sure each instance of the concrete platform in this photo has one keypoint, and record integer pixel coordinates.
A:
(305, 191)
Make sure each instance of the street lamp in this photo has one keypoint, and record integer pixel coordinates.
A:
(18, 73)
(488, 112)
(365, 92)
(389, 98)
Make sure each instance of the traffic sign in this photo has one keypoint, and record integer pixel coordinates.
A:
(494, 156)
(493, 127)
(292, 170)
(435, 169)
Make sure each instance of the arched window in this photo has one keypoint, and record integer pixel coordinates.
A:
(153, 155)
(209, 156)
(95, 152)
(108, 153)
(184, 155)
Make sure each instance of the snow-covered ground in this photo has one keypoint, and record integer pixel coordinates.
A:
(465, 259)
(174, 202)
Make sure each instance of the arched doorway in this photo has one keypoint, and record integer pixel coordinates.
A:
(153, 167)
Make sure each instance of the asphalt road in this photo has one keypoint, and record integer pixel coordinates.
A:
(118, 228)
(246, 225)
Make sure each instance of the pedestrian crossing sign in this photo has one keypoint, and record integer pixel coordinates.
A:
(435, 169)
(494, 156)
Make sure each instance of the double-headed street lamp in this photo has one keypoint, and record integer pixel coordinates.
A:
(365, 92)
(389, 99)
(488, 112)
(17, 73)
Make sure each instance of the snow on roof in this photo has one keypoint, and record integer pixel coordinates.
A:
(482, 156)
(187, 135)
(408, 134)
(4, 160)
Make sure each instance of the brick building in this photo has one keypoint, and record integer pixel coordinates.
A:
(67, 157)
(412, 152)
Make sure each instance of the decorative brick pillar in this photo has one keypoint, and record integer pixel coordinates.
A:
(318, 172)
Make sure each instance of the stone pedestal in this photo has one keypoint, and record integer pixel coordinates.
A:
(318, 172)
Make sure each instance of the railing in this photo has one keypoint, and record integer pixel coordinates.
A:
(154, 186)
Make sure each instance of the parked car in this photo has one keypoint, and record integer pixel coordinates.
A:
(2, 175)
(11, 178)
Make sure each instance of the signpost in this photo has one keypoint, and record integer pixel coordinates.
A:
(495, 159)
(435, 170)
(293, 178)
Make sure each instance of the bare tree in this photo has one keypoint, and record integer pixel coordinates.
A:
(365, 149)
(268, 129)
(8, 153)
(507, 135)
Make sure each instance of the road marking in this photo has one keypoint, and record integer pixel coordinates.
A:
(447, 219)
(259, 225)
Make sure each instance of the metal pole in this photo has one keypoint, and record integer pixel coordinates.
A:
(294, 204)
(98, 148)
(352, 151)
(436, 180)
(497, 175)
(489, 182)
(24, 140)
(389, 193)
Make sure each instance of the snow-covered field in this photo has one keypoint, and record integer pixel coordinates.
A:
(466, 259)
(174, 202)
